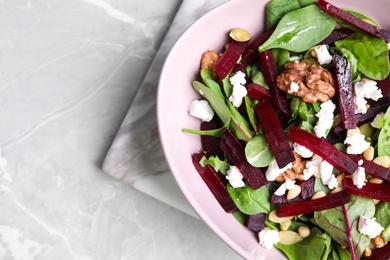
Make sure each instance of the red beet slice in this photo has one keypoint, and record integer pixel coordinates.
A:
(229, 58)
(369, 190)
(336, 35)
(257, 91)
(215, 183)
(329, 153)
(382, 253)
(384, 86)
(356, 22)
(256, 222)
(210, 144)
(307, 191)
(372, 168)
(251, 53)
(279, 99)
(235, 151)
(309, 206)
(343, 80)
(275, 134)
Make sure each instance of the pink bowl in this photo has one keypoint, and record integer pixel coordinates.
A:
(175, 94)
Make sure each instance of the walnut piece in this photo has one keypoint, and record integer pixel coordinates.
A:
(314, 82)
(208, 60)
(379, 241)
(296, 172)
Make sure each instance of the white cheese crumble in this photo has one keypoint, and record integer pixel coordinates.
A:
(201, 109)
(365, 89)
(294, 87)
(369, 227)
(359, 177)
(267, 238)
(234, 176)
(239, 90)
(325, 118)
(319, 167)
(356, 143)
(323, 55)
(302, 151)
(287, 185)
(273, 170)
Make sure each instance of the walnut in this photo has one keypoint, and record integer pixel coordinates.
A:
(296, 172)
(208, 60)
(379, 241)
(314, 82)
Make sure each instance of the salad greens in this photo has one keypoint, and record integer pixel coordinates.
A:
(300, 28)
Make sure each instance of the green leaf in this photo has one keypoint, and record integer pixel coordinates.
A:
(311, 247)
(384, 136)
(276, 9)
(258, 78)
(250, 104)
(216, 163)
(250, 201)
(215, 100)
(382, 216)
(239, 125)
(213, 132)
(371, 54)
(240, 217)
(300, 30)
(334, 222)
(281, 57)
(258, 152)
(227, 87)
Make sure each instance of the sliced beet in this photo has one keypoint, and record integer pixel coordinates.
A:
(275, 134)
(229, 58)
(352, 20)
(282, 199)
(369, 190)
(309, 206)
(382, 253)
(257, 91)
(372, 168)
(336, 35)
(328, 152)
(215, 183)
(362, 118)
(343, 80)
(210, 144)
(251, 53)
(235, 151)
(255, 222)
(279, 99)
(307, 191)
(384, 86)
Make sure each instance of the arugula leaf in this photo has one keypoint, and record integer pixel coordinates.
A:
(311, 247)
(216, 163)
(258, 152)
(334, 222)
(371, 54)
(250, 201)
(300, 30)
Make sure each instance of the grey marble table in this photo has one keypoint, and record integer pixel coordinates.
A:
(70, 71)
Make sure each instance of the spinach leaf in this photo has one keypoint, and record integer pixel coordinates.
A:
(311, 247)
(214, 132)
(281, 57)
(240, 217)
(300, 30)
(250, 104)
(250, 201)
(371, 54)
(216, 163)
(276, 9)
(382, 216)
(334, 222)
(227, 87)
(258, 78)
(239, 125)
(258, 152)
(214, 98)
(384, 136)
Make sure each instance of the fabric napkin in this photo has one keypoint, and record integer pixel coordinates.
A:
(136, 156)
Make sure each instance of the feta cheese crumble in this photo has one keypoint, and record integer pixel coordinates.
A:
(319, 167)
(323, 55)
(302, 151)
(365, 89)
(359, 177)
(239, 90)
(234, 176)
(369, 226)
(294, 87)
(201, 109)
(356, 143)
(267, 238)
(274, 171)
(325, 118)
(287, 185)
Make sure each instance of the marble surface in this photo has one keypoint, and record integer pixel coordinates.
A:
(70, 71)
